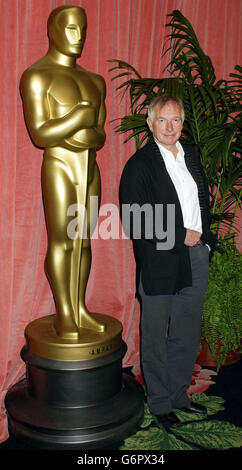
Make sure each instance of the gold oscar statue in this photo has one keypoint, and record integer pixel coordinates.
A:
(64, 108)
(75, 395)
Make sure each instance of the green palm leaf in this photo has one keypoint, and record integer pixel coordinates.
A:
(211, 434)
(188, 58)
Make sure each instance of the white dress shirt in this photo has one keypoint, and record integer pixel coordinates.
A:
(185, 186)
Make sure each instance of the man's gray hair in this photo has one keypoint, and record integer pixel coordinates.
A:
(161, 100)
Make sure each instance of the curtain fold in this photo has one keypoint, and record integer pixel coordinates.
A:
(130, 30)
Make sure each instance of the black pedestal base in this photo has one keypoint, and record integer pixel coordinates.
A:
(74, 405)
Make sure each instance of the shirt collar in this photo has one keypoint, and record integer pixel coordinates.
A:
(167, 153)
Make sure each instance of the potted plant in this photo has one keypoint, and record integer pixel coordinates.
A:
(212, 126)
(222, 319)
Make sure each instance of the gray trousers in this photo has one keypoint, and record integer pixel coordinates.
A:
(170, 337)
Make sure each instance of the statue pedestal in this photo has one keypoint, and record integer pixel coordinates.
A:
(74, 404)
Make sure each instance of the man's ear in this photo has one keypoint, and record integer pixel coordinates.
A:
(149, 122)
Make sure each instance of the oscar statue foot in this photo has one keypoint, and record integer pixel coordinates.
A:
(66, 329)
(87, 320)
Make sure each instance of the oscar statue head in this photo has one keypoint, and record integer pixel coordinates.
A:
(66, 28)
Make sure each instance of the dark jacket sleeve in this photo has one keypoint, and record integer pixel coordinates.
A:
(136, 211)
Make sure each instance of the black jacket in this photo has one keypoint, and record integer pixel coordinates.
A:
(146, 180)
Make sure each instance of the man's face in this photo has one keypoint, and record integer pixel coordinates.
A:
(70, 32)
(166, 125)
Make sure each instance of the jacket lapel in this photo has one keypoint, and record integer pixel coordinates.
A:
(193, 168)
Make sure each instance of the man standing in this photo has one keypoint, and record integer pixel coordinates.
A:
(171, 282)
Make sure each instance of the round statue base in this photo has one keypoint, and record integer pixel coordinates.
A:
(74, 404)
(42, 340)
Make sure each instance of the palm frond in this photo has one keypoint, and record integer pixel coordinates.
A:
(188, 58)
(121, 64)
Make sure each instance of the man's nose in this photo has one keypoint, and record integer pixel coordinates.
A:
(169, 126)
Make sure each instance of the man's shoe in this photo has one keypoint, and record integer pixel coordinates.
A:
(194, 408)
(169, 420)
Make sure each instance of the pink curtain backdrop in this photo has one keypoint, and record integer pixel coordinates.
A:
(130, 30)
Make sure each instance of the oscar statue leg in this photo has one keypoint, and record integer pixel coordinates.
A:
(86, 320)
(58, 194)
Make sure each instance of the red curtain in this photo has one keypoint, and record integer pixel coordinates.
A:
(130, 30)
